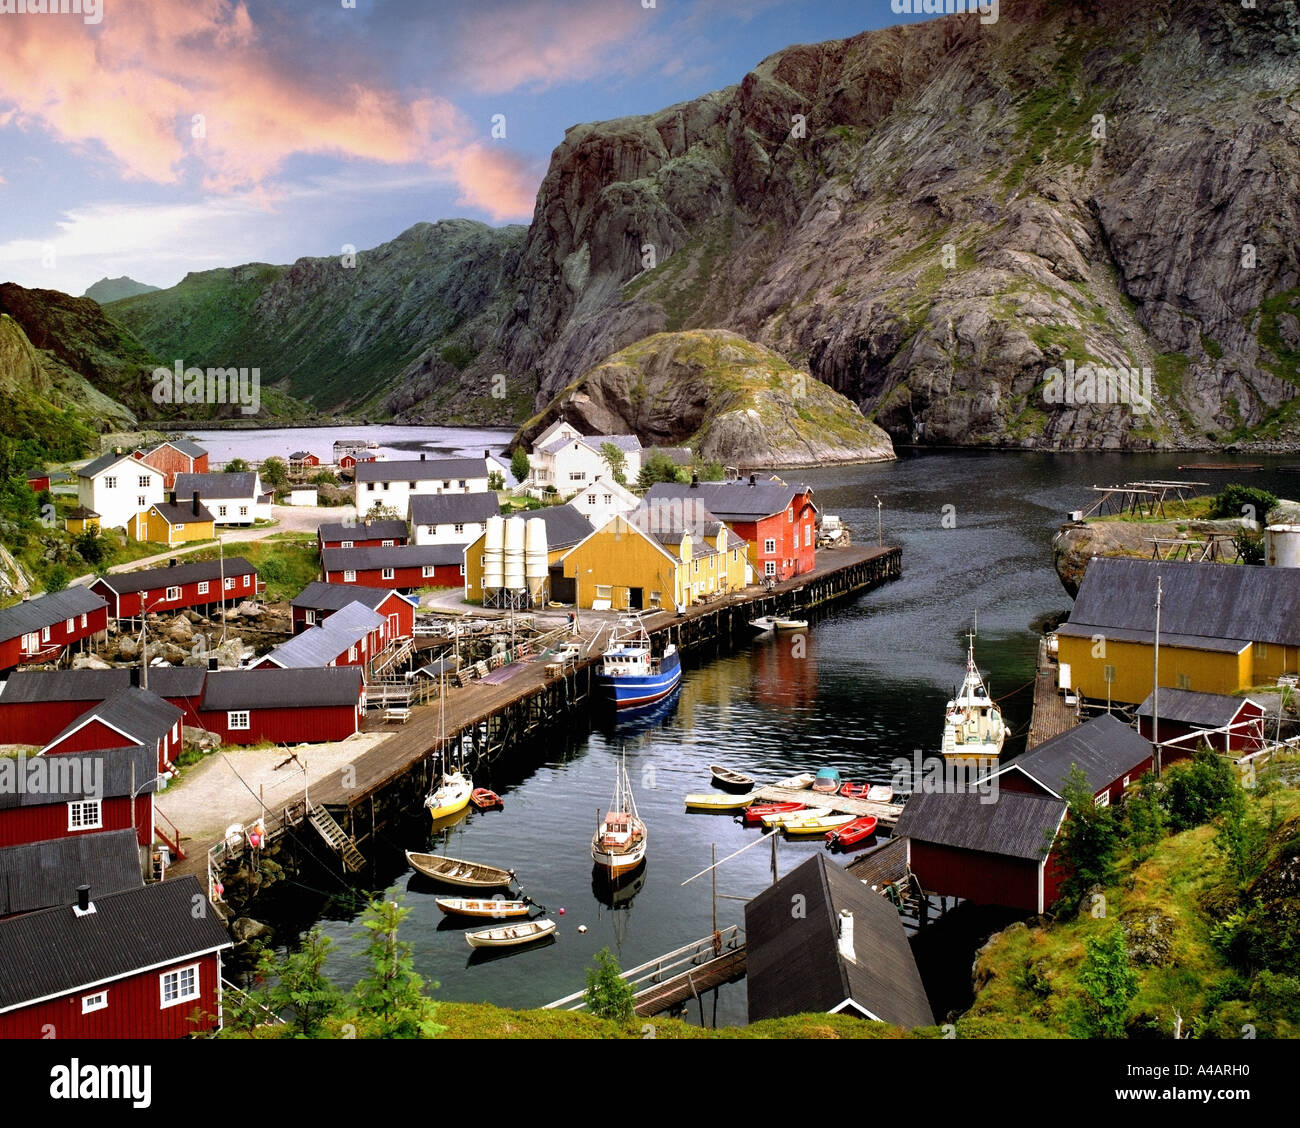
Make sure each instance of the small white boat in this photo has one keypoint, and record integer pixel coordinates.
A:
(783, 817)
(880, 793)
(511, 935)
(496, 909)
(815, 825)
(791, 624)
(763, 623)
(797, 783)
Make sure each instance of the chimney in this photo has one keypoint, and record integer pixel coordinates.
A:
(423, 456)
(486, 454)
(171, 563)
(212, 663)
(846, 936)
(695, 479)
(83, 906)
(195, 502)
(751, 479)
(171, 497)
(135, 676)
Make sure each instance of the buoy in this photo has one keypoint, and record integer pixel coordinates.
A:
(561, 912)
(582, 928)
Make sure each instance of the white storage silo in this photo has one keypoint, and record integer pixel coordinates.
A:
(494, 546)
(1282, 546)
(514, 554)
(535, 562)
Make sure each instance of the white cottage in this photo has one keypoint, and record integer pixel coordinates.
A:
(117, 486)
(234, 499)
(569, 461)
(604, 499)
(391, 484)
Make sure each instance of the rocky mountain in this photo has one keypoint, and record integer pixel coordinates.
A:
(114, 289)
(727, 398)
(932, 217)
(398, 330)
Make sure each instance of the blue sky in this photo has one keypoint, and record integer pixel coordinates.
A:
(179, 135)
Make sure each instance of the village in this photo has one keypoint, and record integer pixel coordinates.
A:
(453, 618)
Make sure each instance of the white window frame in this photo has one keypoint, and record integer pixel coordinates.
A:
(238, 720)
(769, 546)
(94, 1002)
(352, 653)
(462, 569)
(141, 500)
(459, 527)
(349, 576)
(85, 814)
(221, 510)
(387, 574)
(604, 591)
(388, 544)
(31, 643)
(45, 634)
(230, 583)
(69, 625)
(243, 510)
(172, 593)
(428, 571)
(769, 568)
(807, 536)
(176, 731)
(1102, 800)
(309, 617)
(346, 544)
(85, 620)
(203, 587)
(248, 580)
(183, 992)
(110, 483)
(143, 482)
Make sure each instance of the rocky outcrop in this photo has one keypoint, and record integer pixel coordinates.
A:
(115, 289)
(729, 400)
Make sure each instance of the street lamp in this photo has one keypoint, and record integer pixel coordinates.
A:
(160, 779)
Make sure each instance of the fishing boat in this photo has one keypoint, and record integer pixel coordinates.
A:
(484, 799)
(851, 833)
(451, 796)
(827, 781)
(755, 813)
(731, 780)
(457, 871)
(790, 624)
(783, 817)
(512, 935)
(762, 624)
(796, 783)
(496, 909)
(973, 728)
(718, 801)
(855, 790)
(630, 675)
(819, 824)
(619, 844)
(880, 793)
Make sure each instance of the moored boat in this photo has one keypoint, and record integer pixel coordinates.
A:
(851, 833)
(827, 781)
(495, 909)
(728, 779)
(800, 782)
(855, 790)
(782, 817)
(819, 824)
(457, 871)
(484, 799)
(619, 844)
(451, 796)
(880, 793)
(717, 801)
(973, 728)
(763, 624)
(511, 936)
(755, 813)
(630, 675)
(791, 624)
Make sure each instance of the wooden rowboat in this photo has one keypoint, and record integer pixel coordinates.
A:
(791, 624)
(850, 834)
(827, 781)
(881, 793)
(484, 799)
(855, 790)
(718, 801)
(796, 783)
(455, 871)
(511, 935)
(729, 779)
(816, 824)
(497, 909)
(758, 811)
(782, 818)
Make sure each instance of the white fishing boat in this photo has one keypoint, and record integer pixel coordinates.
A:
(973, 728)
(790, 624)
(511, 936)
(619, 844)
(762, 624)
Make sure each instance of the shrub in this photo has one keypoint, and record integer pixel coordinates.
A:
(1199, 791)
(1108, 981)
(1243, 501)
(608, 994)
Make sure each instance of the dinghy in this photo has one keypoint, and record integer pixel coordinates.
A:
(717, 801)
(496, 909)
(851, 833)
(456, 871)
(512, 935)
(816, 824)
(755, 813)
(730, 780)
(781, 818)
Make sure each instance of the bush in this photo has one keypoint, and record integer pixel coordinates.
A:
(660, 468)
(1108, 981)
(608, 994)
(519, 464)
(1199, 791)
(1088, 844)
(1239, 501)
(56, 579)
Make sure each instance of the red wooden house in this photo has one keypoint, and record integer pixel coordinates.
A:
(778, 521)
(403, 567)
(999, 853)
(133, 716)
(348, 462)
(35, 705)
(204, 583)
(352, 636)
(318, 601)
(1109, 753)
(1226, 724)
(284, 706)
(42, 629)
(40, 875)
(303, 460)
(132, 964)
(368, 532)
(77, 794)
(39, 482)
(176, 456)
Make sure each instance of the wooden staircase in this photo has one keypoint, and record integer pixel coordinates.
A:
(336, 836)
(393, 655)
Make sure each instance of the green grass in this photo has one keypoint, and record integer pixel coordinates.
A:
(288, 562)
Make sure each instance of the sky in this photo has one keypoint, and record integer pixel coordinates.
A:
(156, 137)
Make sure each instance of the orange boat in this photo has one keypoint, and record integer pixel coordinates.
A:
(484, 799)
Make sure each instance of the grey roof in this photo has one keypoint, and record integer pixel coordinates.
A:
(106, 460)
(733, 501)
(98, 685)
(1219, 601)
(565, 526)
(185, 446)
(102, 774)
(54, 951)
(422, 470)
(396, 556)
(1017, 826)
(152, 579)
(1213, 710)
(281, 689)
(667, 523)
(375, 530)
(1167, 638)
(81, 513)
(179, 514)
(322, 644)
(794, 965)
(557, 445)
(330, 597)
(216, 487)
(628, 444)
(453, 509)
(138, 713)
(682, 456)
(301, 454)
(44, 610)
(1104, 749)
(38, 875)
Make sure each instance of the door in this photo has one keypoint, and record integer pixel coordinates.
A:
(634, 598)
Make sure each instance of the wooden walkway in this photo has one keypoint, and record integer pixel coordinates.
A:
(690, 984)
(885, 865)
(886, 813)
(1051, 716)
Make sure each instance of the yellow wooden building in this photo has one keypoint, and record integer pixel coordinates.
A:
(630, 564)
(1223, 628)
(81, 519)
(167, 523)
(565, 527)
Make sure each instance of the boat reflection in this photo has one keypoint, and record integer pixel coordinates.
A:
(617, 893)
(633, 722)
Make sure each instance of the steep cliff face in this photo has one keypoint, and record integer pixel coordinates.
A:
(931, 217)
(726, 398)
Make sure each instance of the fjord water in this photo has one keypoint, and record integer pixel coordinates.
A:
(976, 531)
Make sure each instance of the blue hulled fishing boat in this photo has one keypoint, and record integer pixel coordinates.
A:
(630, 675)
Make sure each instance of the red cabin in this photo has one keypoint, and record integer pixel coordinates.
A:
(284, 706)
(133, 716)
(42, 629)
(368, 532)
(162, 591)
(39, 483)
(133, 964)
(176, 456)
(1226, 724)
(352, 636)
(40, 875)
(318, 601)
(404, 567)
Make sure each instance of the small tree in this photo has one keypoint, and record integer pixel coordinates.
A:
(90, 546)
(616, 460)
(1108, 981)
(1088, 842)
(237, 466)
(301, 987)
(391, 997)
(1144, 819)
(275, 473)
(660, 468)
(56, 579)
(1197, 792)
(496, 481)
(519, 464)
(381, 512)
(608, 994)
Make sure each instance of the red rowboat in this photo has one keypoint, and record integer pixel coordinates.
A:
(855, 790)
(850, 834)
(482, 798)
(756, 814)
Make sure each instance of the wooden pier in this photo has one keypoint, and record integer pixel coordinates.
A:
(886, 813)
(1051, 716)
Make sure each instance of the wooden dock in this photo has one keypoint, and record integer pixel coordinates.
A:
(690, 984)
(1051, 716)
(886, 813)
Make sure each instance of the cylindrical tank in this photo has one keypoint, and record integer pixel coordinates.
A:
(1282, 546)
(494, 545)
(535, 562)
(514, 554)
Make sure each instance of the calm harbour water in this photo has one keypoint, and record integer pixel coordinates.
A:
(870, 687)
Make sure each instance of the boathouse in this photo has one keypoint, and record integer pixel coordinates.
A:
(820, 941)
(1223, 628)
(366, 532)
(352, 636)
(999, 853)
(1108, 752)
(318, 601)
(131, 716)
(161, 591)
(402, 567)
(1226, 724)
(283, 706)
(44, 628)
(133, 964)
(39, 875)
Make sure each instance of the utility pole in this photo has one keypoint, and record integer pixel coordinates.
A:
(880, 535)
(1155, 684)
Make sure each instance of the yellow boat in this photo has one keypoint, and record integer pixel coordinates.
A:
(718, 801)
(451, 797)
(816, 825)
(783, 817)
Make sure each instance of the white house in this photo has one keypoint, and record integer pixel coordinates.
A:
(603, 499)
(234, 499)
(563, 458)
(391, 484)
(118, 486)
(450, 518)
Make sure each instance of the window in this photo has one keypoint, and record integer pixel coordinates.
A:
(45, 634)
(656, 598)
(387, 544)
(349, 576)
(1102, 800)
(221, 510)
(352, 653)
(1125, 783)
(1108, 674)
(110, 483)
(604, 591)
(248, 580)
(577, 475)
(410, 485)
(462, 569)
(386, 484)
(173, 593)
(591, 499)
(460, 528)
(203, 587)
(30, 643)
(697, 565)
(733, 556)
(143, 481)
(85, 814)
(769, 569)
(427, 571)
(230, 582)
(370, 486)
(243, 510)
(180, 528)
(69, 625)
(83, 621)
(387, 574)
(1184, 681)
(177, 986)
(237, 720)
(176, 731)
(91, 1003)
(789, 514)
(769, 545)
(446, 485)
(482, 561)
(807, 536)
(347, 544)
(1261, 650)
(309, 617)
(141, 500)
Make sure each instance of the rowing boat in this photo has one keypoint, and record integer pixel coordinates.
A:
(791, 624)
(756, 812)
(484, 799)
(455, 871)
(496, 909)
(816, 824)
(781, 818)
(717, 801)
(727, 778)
(881, 793)
(851, 833)
(512, 935)
(855, 790)
(796, 783)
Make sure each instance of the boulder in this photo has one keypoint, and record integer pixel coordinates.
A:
(246, 929)
(1149, 934)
